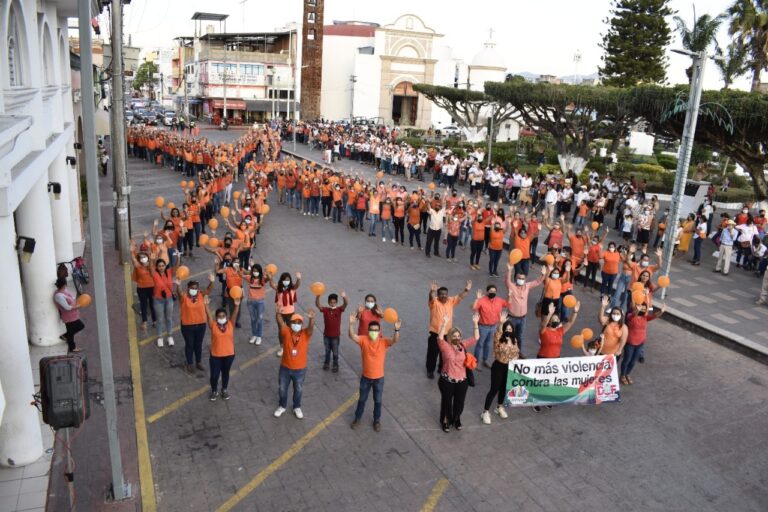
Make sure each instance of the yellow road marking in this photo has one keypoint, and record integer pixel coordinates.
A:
(146, 480)
(286, 456)
(435, 495)
(202, 389)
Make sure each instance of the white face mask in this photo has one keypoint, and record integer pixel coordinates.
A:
(247, 208)
(615, 318)
(158, 241)
(143, 260)
(296, 327)
(221, 321)
(286, 282)
(520, 282)
(256, 274)
(193, 292)
(370, 305)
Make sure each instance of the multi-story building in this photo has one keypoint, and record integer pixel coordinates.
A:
(312, 37)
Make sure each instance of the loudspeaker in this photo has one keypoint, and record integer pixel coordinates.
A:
(64, 391)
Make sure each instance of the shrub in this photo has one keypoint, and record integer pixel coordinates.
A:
(667, 161)
(735, 195)
(550, 169)
(650, 169)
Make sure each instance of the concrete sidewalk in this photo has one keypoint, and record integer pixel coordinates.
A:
(720, 308)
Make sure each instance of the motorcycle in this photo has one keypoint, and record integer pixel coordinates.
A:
(224, 125)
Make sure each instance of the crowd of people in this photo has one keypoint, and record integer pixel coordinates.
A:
(232, 185)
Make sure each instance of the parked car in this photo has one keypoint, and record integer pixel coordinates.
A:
(129, 116)
(169, 116)
(451, 131)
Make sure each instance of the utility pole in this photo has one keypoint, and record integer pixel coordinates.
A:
(293, 85)
(353, 80)
(120, 490)
(121, 190)
(490, 134)
(224, 77)
(689, 132)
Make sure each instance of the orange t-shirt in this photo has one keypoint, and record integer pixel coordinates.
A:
(143, 277)
(374, 354)
(553, 288)
(478, 231)
(611, 262)
(437, 310)
(298, 342)
(496, 242)
(192, 310)
(222, 343)
(611, 338)
(524, 244)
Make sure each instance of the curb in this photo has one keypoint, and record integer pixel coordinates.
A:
(674, 316)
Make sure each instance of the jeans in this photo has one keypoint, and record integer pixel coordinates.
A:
(285, 377)
(433, 237)
(315, 205)
(256, 311)
(360, 216)
(452, 395)
(220, 365)
(193, 342)
(476, 249)
(518, 324)
(433, 354)
(450, 251)
(164, 309)
(378, 390)
(697, 249)
(374, 220)
(590, 279)
(198, 227)
(484, 343)
(607, 285)
(331, 347)
(386, 227)
(414, 233)
(523, 266)
(618, 299)
(498, 385)
(629, 357)
(336, 214)
(145, 303)
(494, 256)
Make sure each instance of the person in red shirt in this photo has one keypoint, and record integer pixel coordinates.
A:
(293, 364)
(222, 347)
(373, 350)
(551, 332)
(637, 322)
(332, 327)
(489, 307)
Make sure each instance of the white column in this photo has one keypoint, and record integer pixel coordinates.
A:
(20, 437)
(59, 172)
(33, 219)
(75, 214)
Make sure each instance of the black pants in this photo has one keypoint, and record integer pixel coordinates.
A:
(414, 233)
(433, 354)
(590, 279)
(326, 202)
(433, 238)
(450, 251)
(452, 395)
(193, 342)
(424, 221)
(146, 302)
(73, 328)
(220, 366)
(498, 384)
(476, 249)
(399, 229)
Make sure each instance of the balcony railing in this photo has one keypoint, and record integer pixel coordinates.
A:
(217, 54)
(238, 79)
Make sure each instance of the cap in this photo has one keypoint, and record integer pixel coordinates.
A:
(297, 316)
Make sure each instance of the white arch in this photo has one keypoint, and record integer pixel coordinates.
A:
(15, 58)
(64, 74)
(46, 54)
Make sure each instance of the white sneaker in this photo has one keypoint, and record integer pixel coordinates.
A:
(160, 341)
(298, 413)
(280, 352)
(252, 340)
(501, 412)
(486, 417)
(170, 341)
(258, 340)
(394, 241)
(383, 239)
(279, 412)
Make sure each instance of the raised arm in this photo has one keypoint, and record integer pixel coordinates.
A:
(396, 334)
(352, 334)
(572, 321)
(466, 289)
(601, 311)
(311, 324)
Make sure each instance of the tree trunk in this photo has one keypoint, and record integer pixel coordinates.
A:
(570, 161)
(755, 170)
(756, 78)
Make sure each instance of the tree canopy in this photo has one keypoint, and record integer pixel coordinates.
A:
(635, 43)
(749, 23)
(144, 75)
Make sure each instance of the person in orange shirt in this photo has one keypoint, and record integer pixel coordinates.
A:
(495, 248)
(222, 347)
(193, 320)
(414, 222)
(373, 350)
(145, 285)
(440, 306)
(338, 204)
(551, 333)
(478, 241)
(399, 221)
(610, 269)
(294, 339)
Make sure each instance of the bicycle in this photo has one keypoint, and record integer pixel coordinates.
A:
(80, 274)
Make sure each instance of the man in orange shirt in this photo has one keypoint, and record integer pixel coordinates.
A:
(440, 305)
(293, 365)
(373, 350)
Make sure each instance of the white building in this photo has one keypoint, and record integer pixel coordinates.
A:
(37, 137)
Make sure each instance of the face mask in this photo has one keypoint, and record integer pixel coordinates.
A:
(373, 335)
(507, 337)
(247, 221)
(158, 241)
(369, 304)
(520, 282)
(227, 263)
(193, 292)
(554, 325)
(744, 211)
(221, 321)
(286, 283)
(645, 263)
(615, 318)
(333, 307)
(247, 208)
(143, 260)
(228, 244)
(169, 228)
(555, 276)
(611, 249)
(296, 327)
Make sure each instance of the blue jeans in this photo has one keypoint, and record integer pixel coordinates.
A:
(378, 391)
(493, 261)
(315, 205)
(697, 249)
(360, 215)
(331, 347)
(285, 377)
(193, 335)
(618, 299)
(522, 267)
(374, 220)
(629, 357)
(220, 366)
(607, 285)
(386, 227)
(256, 310)
(518, 323)
(484, 343)
(164, 315)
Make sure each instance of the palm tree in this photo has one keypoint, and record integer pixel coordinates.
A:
(749, 22)
(733, 62)
(700, 36)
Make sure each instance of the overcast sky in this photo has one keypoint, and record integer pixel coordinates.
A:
(538, 36)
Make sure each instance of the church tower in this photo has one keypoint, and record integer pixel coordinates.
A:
(311, 58)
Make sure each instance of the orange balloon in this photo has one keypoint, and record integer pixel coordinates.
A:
(390, 315)
(236, 292)
(587, 333)
(638, 297)
(213, 223)
(380, 174)
(271, 269)
(236, 194)
(224, 212)
(637, 286)
(203, 239)
(357, 187)
(431, 186)
(213, 243)
(317, 288)
(663, 281)
(595, 225)
(183, 183)
(569, 301)
(577, 341)
(549, 260)
(170, 205)
(265, 209)
(84, 300)
(159, 201)
(191, 184)
(182, 272)
(515, 255)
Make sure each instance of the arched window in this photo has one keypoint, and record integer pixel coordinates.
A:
(48, 71)
(15, 70)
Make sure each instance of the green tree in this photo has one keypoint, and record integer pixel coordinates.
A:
(733, 62)
(749, 22)
(145, 75)
(700, 36)
(635, 43)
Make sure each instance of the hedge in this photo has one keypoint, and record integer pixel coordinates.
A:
(735, 195)
(667, 161)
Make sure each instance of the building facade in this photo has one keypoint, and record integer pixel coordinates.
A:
(312, 41)
(38, 131)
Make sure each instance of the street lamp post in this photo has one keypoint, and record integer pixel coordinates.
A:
(686, 146)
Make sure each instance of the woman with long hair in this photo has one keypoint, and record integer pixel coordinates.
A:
(614, 329)
(506, 348)
(285, 298)
(256, 290)
(453, 381)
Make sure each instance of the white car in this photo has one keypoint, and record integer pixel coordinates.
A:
(450, 131)
(168, 117)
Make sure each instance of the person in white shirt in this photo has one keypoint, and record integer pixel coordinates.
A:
(550, 201)
(435, 227)
(698, 239)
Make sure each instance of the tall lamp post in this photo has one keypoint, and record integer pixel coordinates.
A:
(686, 146)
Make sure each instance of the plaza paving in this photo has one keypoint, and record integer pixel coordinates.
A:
(690, 434)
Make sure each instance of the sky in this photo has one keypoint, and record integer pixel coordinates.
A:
(537, 36)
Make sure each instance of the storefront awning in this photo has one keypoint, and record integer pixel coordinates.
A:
(234, 104)
(266, 105)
